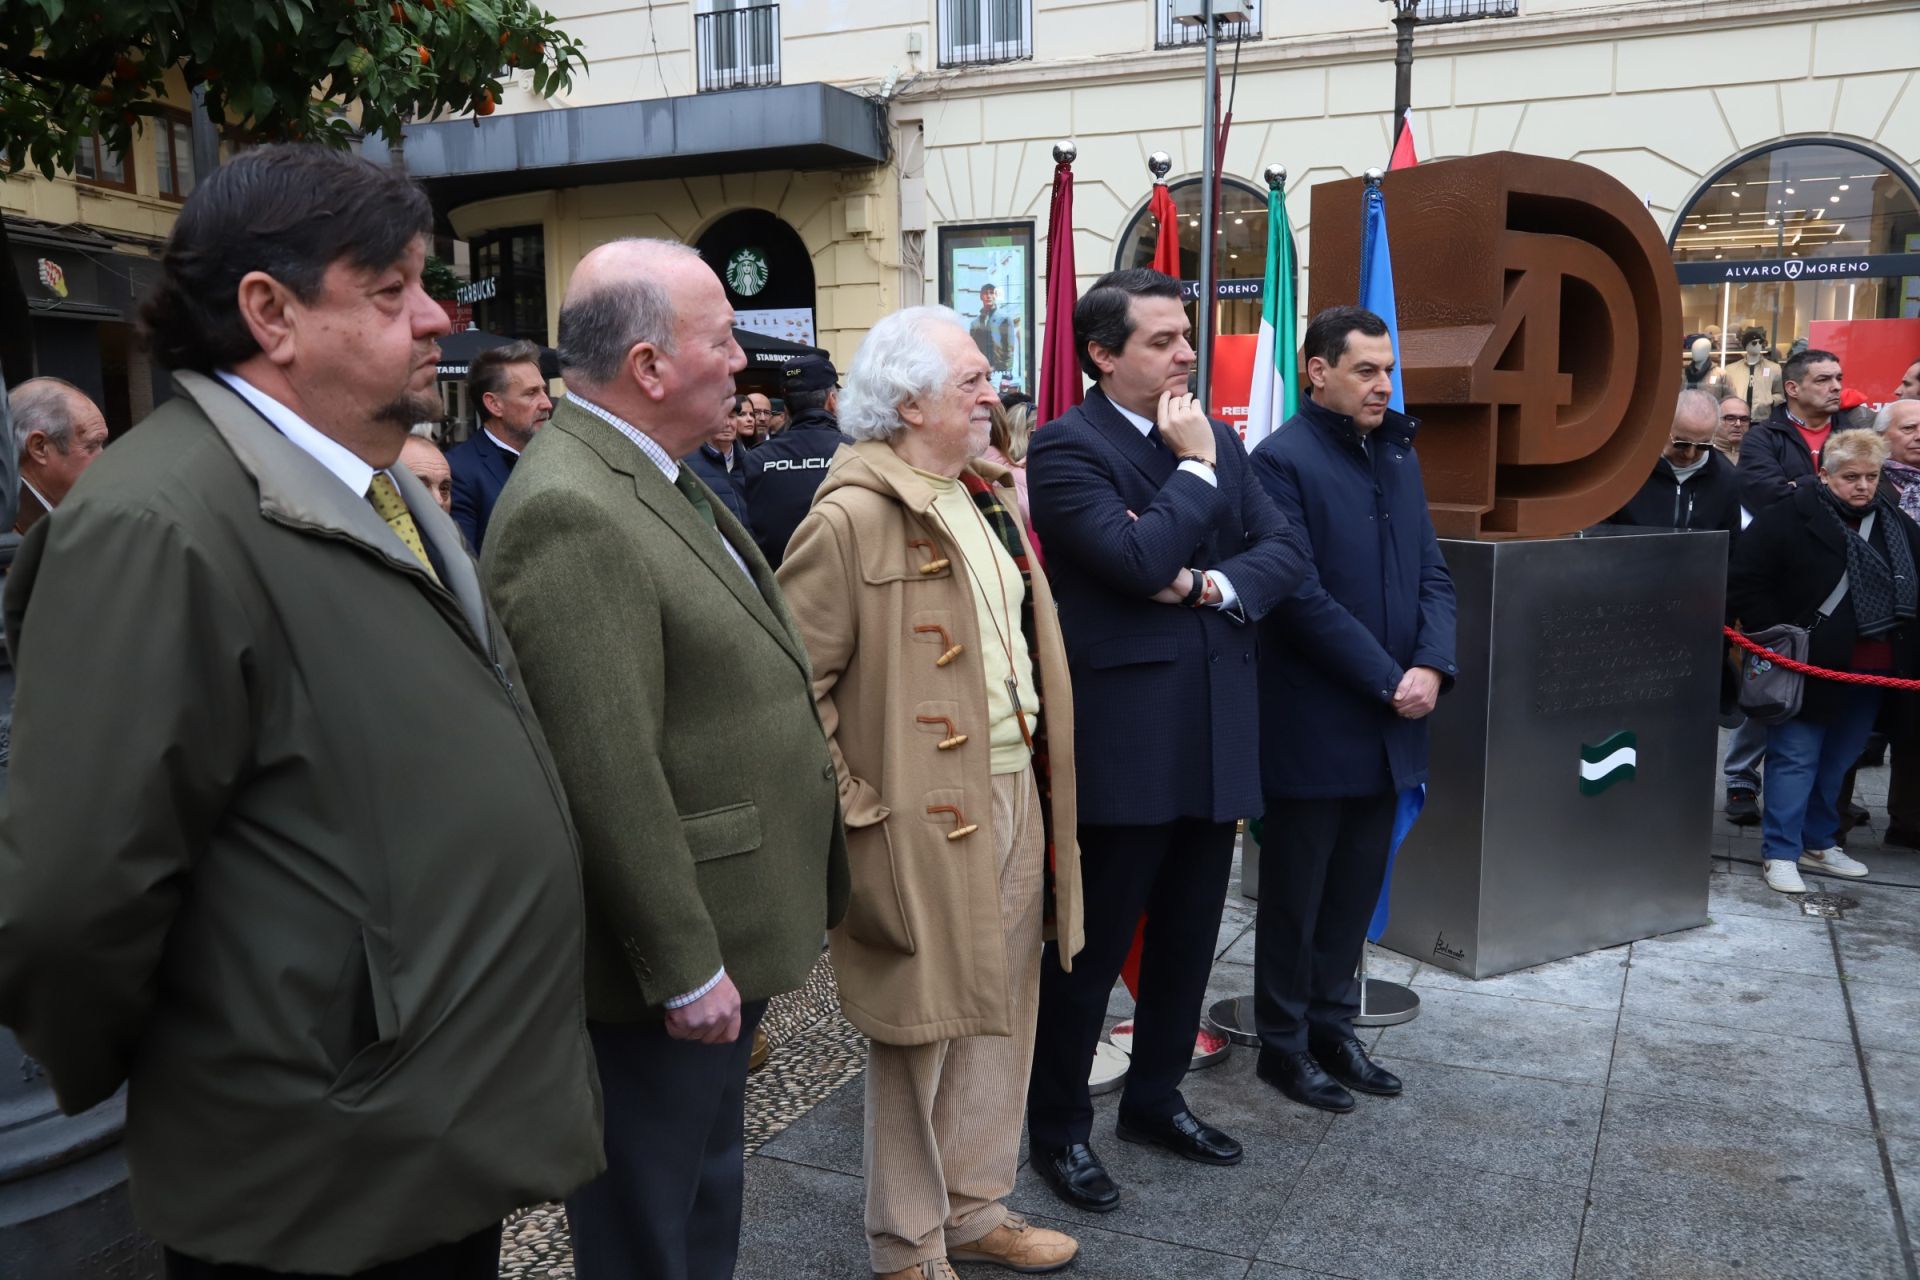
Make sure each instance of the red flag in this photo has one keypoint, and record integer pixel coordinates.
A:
(1403, 157)
(1060, 387)
(1166, 242)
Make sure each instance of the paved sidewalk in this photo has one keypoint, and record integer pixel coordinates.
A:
(1739, 1100)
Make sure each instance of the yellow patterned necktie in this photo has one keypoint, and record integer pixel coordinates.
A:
(391, 507)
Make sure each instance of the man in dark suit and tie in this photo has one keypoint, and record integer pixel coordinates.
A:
(506, 389)
(656, 647)
(1163, 552)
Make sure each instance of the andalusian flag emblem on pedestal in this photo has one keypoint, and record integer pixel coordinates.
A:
(1608, 761)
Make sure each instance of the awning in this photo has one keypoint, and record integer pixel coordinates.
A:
(458, 349)
(770, 353)
(791, 126)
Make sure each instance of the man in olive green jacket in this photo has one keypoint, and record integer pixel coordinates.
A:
(343, 981)
(679, 701)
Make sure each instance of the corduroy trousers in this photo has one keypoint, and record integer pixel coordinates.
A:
(943, 1119)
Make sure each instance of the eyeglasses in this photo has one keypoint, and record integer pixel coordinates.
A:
(1689, 446)
(1736, 417)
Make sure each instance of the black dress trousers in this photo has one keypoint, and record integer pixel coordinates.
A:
(1177, 874)
(1321, 864)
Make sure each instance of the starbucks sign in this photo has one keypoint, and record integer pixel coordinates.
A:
(747, 272)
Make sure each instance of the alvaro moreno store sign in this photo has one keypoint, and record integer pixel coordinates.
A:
(1863, 267)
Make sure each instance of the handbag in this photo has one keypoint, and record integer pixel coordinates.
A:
(1769, 692)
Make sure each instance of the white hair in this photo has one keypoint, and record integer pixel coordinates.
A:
(898, 362)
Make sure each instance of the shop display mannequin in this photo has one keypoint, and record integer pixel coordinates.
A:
(1755, 378)
(1701, 373)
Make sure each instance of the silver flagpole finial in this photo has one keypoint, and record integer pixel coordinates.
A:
(1373, 177)
(1276, 176)
(1159, 164)
(1064, 152)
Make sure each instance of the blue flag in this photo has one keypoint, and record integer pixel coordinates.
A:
(1412, 800)
(1376, 282)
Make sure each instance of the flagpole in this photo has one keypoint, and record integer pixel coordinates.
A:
(1209, 177)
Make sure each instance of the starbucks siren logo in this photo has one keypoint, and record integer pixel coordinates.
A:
(1609, 761)
(747, 272)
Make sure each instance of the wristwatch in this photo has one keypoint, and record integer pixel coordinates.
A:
(1198, 591)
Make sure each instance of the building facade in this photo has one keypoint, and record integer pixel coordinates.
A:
(84, 247)
(1708, 110)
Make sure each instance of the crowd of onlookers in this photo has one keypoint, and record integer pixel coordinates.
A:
(1818, 494)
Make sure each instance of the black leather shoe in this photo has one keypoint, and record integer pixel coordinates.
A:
(1347, 1062)
(1077, 1177)
(1184, 1135)
(1301, 1078)
(1858, 815)
(1901, 838)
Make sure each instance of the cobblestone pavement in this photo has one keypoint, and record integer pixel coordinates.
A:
(1739, 1101)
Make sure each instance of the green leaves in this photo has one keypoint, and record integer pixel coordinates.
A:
(272, 68)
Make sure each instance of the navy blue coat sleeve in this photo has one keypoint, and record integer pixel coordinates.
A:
(1275, 561)
(1077, 507)
(1318, 625)
(467, 482)
(1433, 646)
(1763, 479)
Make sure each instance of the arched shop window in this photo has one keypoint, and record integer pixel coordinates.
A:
(1798, 235)
(1242, 236)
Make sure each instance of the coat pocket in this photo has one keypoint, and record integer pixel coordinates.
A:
(723, 832)
(876, 911)
(360, 1027)
(1127, 651)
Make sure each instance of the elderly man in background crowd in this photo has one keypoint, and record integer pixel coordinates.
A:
(429, 466)
(721, 461)
(1735, 419)
(507, 391)
(1692, 486)
(704, 791)
(344, 991)
(57, 434)
(936, 653)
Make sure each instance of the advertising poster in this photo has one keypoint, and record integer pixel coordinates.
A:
(986, 274)
(789, 324)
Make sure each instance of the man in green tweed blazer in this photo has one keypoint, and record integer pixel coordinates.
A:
(677, 697)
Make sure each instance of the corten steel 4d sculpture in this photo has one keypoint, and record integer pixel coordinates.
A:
(1538, 313)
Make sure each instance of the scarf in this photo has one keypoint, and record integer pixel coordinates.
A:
(1903, 478)
(1005, 526)
(1882, 586)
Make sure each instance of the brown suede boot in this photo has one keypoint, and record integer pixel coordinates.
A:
(932, 1269)
(1019, 1246)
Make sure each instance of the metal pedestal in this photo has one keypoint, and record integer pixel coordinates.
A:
(1564, 809)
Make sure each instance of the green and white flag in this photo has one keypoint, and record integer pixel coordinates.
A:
(1277, 356)
(1608, 761)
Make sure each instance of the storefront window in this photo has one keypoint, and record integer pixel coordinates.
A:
(1796, 235)
(509, 285)
(1241, 235)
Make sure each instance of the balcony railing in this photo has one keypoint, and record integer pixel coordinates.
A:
(1170, 34)
(973, 32)
(1437, 11)
(738, 48)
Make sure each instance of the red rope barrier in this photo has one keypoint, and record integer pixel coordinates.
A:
(1843, 677)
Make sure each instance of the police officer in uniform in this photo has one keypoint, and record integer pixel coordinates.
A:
(783, 472)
